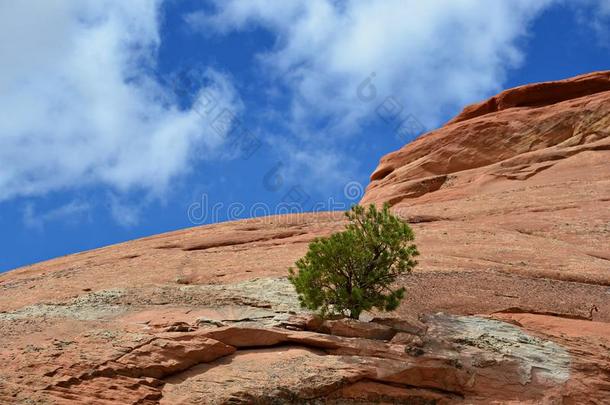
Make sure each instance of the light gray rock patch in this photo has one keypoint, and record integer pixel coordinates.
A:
(277, 294)
(92, 306)
(501, 341)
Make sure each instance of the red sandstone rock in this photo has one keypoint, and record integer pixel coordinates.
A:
(353, 328)
(162, 357)
(407, 324)
(539, 94)
(524, 186)
(407, 339)
(510, 203)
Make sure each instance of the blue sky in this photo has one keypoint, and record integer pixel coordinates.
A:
(126, 119)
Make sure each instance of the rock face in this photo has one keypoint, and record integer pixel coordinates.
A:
(510, 202)
(523, 179)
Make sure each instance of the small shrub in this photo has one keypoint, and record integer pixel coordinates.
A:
(353, 270)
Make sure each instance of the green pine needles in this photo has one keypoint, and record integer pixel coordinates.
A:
(353, 270)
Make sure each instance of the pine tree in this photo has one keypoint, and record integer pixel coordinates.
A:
(354, 270)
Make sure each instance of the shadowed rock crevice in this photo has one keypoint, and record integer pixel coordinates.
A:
(368, 391)
(210, 245)
(238, 240)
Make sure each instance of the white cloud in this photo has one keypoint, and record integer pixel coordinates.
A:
(80, 106)
(317, 169)
(125, 214)
(596, 15)
(433, 57)
(604, 6)
(429, 55)
(72, 212)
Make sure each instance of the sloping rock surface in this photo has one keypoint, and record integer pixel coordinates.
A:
(522, 180)
(510, 303)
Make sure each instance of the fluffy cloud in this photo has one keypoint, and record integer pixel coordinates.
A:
(431, 56)
(73, 212)
(596, 15)
(80, 105)
(82, 108)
